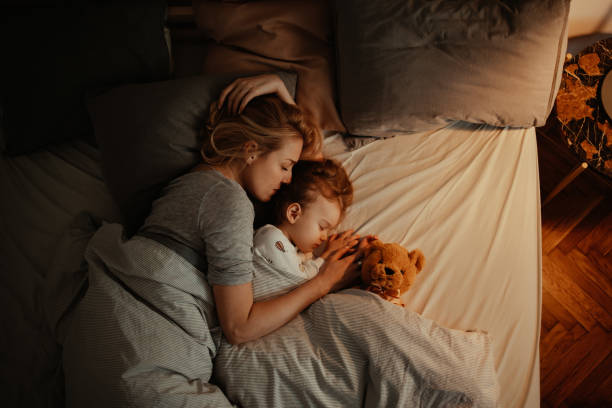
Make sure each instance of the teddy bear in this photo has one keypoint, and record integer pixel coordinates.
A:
(389, 269)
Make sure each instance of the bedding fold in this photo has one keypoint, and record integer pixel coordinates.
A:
(140, 336)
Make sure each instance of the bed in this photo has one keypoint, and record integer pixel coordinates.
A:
(466, 194)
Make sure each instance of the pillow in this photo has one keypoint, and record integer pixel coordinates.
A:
(412, 66)
(149, 134)
(54, 55)
(276, 34)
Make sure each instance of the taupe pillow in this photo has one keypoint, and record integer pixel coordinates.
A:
(150, 133)
(270, 35)
(406, 66)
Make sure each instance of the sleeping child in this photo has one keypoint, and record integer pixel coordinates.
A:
(305, 211)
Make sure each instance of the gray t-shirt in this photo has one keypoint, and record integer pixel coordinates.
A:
(212, 215)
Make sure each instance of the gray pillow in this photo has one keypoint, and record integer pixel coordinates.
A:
(149, 134)
(407, 66)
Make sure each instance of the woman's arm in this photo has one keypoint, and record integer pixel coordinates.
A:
(242, 320)
(238, 94)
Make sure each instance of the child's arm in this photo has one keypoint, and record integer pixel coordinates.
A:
(310, 265)
(270, 245)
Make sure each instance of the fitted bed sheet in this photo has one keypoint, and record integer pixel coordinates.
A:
(466, 195)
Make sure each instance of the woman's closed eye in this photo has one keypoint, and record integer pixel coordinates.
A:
(287, 166)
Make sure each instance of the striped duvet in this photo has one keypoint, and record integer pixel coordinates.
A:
(145, 334)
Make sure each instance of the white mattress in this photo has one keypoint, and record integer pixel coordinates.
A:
(467, 196)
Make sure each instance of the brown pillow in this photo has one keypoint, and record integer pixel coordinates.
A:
(271, 35)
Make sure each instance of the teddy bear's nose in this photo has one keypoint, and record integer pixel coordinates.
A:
(389, 271)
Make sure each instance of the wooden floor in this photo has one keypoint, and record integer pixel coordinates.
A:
(576, 340)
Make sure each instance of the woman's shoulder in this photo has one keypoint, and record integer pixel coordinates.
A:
(211, 184)
(221, 196)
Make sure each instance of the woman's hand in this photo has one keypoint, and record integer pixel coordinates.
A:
(341, 269)
(238, 94)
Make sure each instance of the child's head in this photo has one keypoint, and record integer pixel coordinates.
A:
(313, 203)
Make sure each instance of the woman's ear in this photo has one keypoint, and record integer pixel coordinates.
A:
(294, 211)
(250, 151)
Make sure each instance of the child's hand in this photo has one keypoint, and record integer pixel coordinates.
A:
(346, 239)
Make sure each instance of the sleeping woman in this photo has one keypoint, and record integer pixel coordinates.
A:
(251, 148)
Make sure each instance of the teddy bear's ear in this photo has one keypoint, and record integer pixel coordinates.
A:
(374, 245)
(419, 259)
(377, 243)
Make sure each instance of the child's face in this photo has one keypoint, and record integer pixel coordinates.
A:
(314, 224)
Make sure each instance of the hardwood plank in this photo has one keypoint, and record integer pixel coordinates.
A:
(599, 235)
(559, 312)
(543, 332)
(548, 321)
(565, 361)
(575, 281)
(544, 404)
(603, 394)
(549, 341)
(565, 215)
(582, 358)
(579, 304)
(605, 245)
(585, 227)
(587, 392)
(557, 353)
(603, 263)
(591, 280)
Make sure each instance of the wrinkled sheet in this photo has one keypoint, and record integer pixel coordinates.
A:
(468, 197)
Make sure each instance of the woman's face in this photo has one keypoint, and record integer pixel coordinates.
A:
(264, 176)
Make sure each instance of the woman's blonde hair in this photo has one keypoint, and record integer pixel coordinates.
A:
(266, 120)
